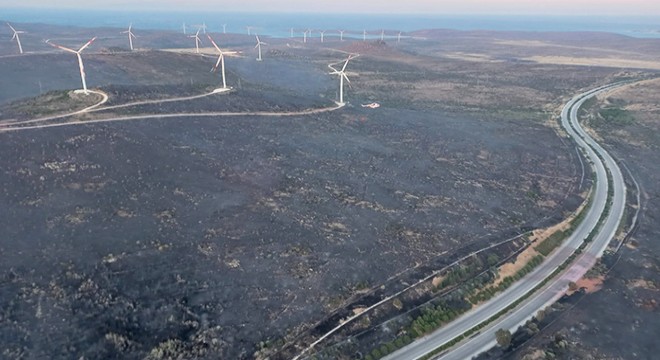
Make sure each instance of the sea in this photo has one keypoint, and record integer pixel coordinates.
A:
(280, 24)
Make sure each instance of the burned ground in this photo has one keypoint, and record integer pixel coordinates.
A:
(203, 237)
(256, 225)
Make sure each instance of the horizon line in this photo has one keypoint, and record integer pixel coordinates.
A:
(295, 12)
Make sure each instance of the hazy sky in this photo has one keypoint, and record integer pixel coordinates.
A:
(545, 7)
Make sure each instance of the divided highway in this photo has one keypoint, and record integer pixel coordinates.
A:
(554, 289)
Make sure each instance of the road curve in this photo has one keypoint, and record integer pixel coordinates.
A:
(555, 288)
(171, 116)
(104, 99)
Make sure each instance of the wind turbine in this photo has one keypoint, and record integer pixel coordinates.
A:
(80, 62)
(342, 76)
(249, 30)
(201, 27)
(258, 46)
(18, 40)
(305, 36)
(341, 35)
(364, 35)
(291, 36)
(398, 37)
(131, 36)
(224, 28)
(184, 28)
(322, 34)
(197, 40)
(221, 62)
(382, 35)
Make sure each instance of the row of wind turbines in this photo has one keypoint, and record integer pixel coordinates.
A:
(219, 63)
(307, 34)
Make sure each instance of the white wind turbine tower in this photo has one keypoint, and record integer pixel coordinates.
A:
(249, 30)
(197, 40)
(131, 36)
(398, 37)
(224, 28)
(258, 46)
(201, 27)
(18, 40)
(364, 35)
(305, 36)
(184, 28)
(80, 62)
(341, 35)
(342, 76)
(291, 36)
(221, 62)
(322, 35)
(382, 35)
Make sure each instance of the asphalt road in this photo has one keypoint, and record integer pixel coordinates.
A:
(555, 288)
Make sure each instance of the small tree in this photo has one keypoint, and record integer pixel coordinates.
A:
(493, 259)
(540, 315)
(572, 286)
(503, 338)
(384, 350)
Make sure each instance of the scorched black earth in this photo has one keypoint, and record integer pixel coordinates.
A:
(202, 237)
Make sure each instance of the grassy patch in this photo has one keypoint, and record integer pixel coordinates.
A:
(615, 116)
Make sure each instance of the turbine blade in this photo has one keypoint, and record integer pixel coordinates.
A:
(214, 44)
(217, 63)
(86, 45)
(11, 27)
(61, 47)
(345, 64)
